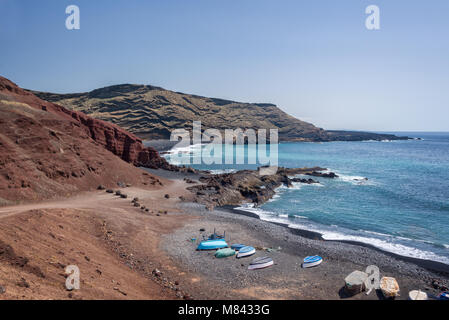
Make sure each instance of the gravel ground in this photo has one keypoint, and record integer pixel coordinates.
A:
(229, 277)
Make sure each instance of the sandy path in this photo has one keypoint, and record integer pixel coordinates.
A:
(99, 200)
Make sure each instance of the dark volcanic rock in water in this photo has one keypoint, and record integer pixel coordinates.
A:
(307, 181)
(322, 174)
(246, 186)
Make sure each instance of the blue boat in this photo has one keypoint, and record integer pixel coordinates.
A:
(312, 261)
(212, 244)
(237, 246)
(246, 252)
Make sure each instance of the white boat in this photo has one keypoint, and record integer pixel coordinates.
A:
(260, 263)
(312, 261)
(246, 252)
(417, 295)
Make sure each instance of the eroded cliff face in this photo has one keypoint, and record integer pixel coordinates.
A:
(47, 150)
(115, 139)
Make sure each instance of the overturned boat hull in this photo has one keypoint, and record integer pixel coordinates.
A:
(212, 245)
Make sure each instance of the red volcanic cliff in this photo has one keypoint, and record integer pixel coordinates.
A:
(48, 151)
(120, 142)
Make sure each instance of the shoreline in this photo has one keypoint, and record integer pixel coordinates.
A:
(430, 265)
(287, 247)
(209, 277)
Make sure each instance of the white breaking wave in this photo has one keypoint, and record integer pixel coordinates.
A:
(356, 180)
(351, 178)
(267, 215)
(390, 246)
(188, 149)
(382, 241)
(221, 171)
(385, 140)
(182, 155)
(274, 198)
(296, 186)
(283, 188)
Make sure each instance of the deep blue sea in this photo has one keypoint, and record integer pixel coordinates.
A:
(403, 207)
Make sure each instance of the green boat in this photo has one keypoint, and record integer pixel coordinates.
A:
(223, 253)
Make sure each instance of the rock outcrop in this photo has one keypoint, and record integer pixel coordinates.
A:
(330, 175)
(246, 186)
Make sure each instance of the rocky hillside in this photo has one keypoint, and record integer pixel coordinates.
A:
(47, 150)
(152, 113)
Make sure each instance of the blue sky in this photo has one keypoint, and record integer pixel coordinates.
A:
(314, 59)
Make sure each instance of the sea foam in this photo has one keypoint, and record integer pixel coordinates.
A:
(379, 240)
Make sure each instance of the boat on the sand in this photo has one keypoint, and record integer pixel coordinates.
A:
(212, 244)
(312, 261)
(260, 263)
(223, 253)
(417, 295)
(246, 252)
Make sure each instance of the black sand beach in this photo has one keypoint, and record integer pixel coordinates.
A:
(434, 266)
(229, 278)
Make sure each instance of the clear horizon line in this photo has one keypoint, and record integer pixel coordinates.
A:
(377, 131)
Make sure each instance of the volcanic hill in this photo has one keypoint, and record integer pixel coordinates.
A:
(153, 113)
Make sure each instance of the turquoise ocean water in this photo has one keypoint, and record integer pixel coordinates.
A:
(403, 207)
